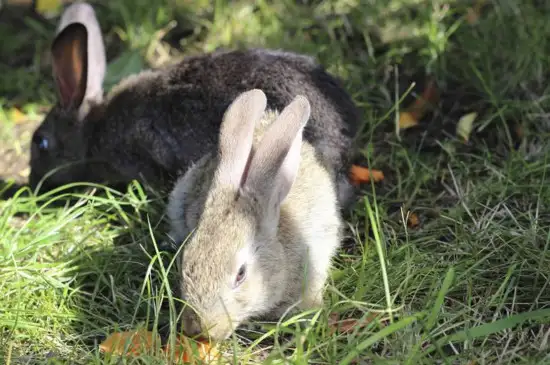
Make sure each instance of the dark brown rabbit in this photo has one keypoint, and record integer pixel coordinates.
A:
(155, 124)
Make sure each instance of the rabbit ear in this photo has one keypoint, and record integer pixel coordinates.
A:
(70, 65)
(274, 166)
(78, 58)
(236, 137)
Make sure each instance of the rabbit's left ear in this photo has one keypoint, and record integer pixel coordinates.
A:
(275, 164)
(78, 58)
(236, 137)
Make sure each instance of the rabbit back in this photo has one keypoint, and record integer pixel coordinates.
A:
(171, 118)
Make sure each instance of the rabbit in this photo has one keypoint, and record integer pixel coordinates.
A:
(154, 124)
(264, 216)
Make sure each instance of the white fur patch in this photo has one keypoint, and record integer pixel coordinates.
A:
(243, 256)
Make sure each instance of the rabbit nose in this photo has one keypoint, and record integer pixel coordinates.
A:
(191, 326)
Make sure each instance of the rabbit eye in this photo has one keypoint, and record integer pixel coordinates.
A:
(241, 275)
(41, 142)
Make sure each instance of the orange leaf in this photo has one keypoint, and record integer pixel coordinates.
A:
(135, 342)
(359, 175)
(348, 324)
(418, 109)
(185, 352)
(413, 220)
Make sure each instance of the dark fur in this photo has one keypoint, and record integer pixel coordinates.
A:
(154, 129)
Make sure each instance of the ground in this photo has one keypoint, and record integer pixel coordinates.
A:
(468, 284)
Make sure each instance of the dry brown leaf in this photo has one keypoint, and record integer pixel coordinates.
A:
(413, 220)
(474, 12)
(184, 350)
(418, 109)
(135, 342)
(519, 131)
(348, 324)
(472, 16)
(361, 175)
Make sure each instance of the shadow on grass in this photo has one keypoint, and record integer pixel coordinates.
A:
(8, 189)
(123, 288)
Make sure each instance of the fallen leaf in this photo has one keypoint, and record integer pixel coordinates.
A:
(472, 16)
(412, 115)
(407, 120)
(413, 220)
(361, 175)
(25, 172)
(48, 7)
(333, 318)
(184, 351)
(474, 12)
(16, 115)
(464, 126)
(135, 342)
(519, 131)
(141, 342)
(348, 324)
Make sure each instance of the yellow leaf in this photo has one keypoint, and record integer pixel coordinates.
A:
(16, 116)
(25, 172)
(135, 342)
(407, 120)
(48, 6)
(465, 124)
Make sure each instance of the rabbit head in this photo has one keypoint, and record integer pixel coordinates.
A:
(78, 64)
(233, 265)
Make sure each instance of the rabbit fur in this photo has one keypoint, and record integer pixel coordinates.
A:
(155, 124)
(264, 204)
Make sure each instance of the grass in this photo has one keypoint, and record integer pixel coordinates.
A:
(469, 285)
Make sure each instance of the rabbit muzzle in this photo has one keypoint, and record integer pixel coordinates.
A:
(195, 328)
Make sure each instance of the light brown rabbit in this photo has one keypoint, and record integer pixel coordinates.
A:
(264, 217)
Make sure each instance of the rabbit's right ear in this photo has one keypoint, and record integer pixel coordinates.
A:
(274, 167)
(78, 59)
(236, 137)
